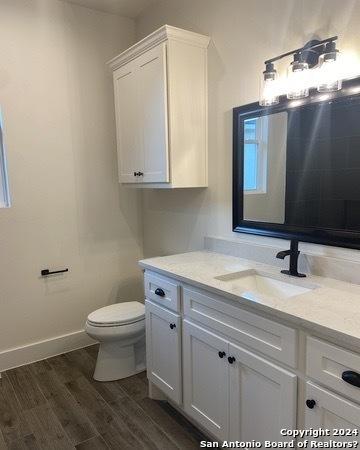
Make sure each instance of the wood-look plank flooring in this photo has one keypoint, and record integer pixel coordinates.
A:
(56, 404)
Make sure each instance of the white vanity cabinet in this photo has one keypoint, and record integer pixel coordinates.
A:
(160, 88)
(236, 373)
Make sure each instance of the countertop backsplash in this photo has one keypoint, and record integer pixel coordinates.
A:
(319, 265)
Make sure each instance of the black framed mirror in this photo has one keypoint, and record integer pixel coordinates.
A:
(296, 168)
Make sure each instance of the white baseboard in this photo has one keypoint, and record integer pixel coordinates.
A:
(36, 351)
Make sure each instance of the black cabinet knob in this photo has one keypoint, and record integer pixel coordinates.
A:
(310, 403)
(221, 354)
(351, 377)
(231, 359)
(135, 174)
(173, 325)
(140, 174)
(159, 292)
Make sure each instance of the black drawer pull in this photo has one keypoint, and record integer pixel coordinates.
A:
(173, 325)
(351, 377)
(221, 354)
(159, 292)
(231, 359)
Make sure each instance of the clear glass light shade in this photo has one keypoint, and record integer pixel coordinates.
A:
(269, 89)
(297, 79)
(329, 74)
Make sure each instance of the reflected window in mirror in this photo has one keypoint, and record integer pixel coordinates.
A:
(255, 135)
(265, 168)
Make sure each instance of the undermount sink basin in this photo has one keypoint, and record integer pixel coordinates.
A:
(257, 282)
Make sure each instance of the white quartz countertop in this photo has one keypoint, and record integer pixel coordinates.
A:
(332, 308)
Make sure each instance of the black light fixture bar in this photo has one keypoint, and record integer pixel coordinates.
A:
(299, 50)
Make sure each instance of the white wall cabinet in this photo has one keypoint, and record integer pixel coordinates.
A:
(160, 88)
(163, 346)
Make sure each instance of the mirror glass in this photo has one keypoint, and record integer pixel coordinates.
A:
(301, 166)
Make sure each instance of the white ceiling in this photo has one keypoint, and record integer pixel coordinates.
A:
(127, 8)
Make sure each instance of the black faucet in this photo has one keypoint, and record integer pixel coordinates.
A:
(294, 255)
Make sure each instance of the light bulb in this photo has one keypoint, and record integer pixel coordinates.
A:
(268, 86)
(297, 78)
(329, 70)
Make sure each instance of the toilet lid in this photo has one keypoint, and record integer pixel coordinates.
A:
(118, 314)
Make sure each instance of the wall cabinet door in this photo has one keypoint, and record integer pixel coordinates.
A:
(130, 156)
(151, 67)
(206, 378)
(331, 411)
(163, 350)
(141, 118)
(262, 397)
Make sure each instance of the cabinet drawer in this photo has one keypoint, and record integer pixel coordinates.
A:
(264, 335)
(162, 290)
(326, 363)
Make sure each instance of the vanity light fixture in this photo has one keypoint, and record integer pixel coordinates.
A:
(314, 65)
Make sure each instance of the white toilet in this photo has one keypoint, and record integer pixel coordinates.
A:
(120, 329)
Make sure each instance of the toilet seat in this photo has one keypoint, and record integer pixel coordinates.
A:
(117, 315)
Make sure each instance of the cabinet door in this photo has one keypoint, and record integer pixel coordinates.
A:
(151, 67)
(262, 397)
(331, 411)
(163, 350)
(206, 379)
(129, 143)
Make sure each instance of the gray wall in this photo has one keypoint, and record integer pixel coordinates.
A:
(67, 208)
(244, 33)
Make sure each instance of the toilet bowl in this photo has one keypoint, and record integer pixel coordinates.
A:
(120, 329)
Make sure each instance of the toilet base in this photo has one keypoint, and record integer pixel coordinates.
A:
(115, 362)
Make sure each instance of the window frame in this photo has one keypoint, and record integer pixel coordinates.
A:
(4, 181)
